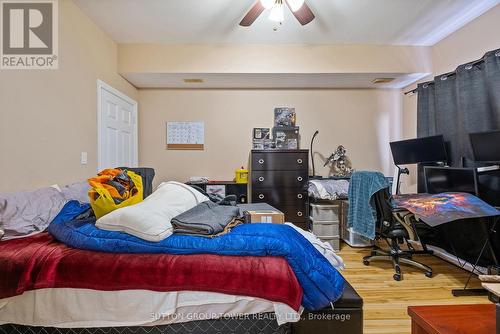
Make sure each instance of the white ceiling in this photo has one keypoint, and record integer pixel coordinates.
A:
(383, 22)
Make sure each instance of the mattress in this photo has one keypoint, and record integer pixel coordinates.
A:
(83, 308)
(259, 324)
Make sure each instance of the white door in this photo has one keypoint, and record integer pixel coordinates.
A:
(117, 128)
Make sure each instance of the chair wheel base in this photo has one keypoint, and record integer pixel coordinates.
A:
(397, 277)
(366, 262)
(428, 274)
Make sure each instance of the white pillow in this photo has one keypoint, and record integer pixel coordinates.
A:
(150, 219)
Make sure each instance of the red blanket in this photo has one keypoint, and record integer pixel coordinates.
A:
(40, 262)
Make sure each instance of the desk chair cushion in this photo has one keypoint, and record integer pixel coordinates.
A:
(387, 226)
(397, 232)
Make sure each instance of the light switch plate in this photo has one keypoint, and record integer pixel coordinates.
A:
(84, 158)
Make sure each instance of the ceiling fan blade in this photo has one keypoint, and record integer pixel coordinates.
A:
(252, 14)
(304, 15)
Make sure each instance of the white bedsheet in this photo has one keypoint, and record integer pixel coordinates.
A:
(323, 247)
(74, 308)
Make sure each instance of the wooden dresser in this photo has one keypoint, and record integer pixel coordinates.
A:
(279, 178)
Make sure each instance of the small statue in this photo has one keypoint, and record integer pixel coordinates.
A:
(341, 164)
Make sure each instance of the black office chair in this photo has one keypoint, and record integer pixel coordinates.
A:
(395, 227)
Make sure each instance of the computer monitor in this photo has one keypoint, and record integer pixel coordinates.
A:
(486, 146)
(446, 179)
(420, 150)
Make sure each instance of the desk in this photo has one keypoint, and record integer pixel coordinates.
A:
(453, 319)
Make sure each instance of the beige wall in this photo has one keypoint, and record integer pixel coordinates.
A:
(48, 117)
(465, 45)
(258, 58)
(362, 120)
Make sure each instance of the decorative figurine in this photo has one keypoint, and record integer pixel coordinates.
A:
(341, 164)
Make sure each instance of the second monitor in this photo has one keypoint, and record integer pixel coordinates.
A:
(446, 179)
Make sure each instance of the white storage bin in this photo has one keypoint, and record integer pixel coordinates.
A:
(334, 241)
(355, 240)
(324, 228)
(348, 235)
(325, 212)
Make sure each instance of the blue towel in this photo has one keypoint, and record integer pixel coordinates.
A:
(362, 213)
(321, 282)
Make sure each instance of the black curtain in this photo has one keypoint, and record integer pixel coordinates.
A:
(458, 103)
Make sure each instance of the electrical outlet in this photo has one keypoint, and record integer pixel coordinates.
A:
(84, 158)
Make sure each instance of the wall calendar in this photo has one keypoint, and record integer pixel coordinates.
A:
(185, 135)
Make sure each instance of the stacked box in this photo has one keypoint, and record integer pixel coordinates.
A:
(261, 139)
(325, 219)
(286, 137)
(284, 117)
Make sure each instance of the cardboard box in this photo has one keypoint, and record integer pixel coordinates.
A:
(284, 116)
(287, 138)
(264, 216)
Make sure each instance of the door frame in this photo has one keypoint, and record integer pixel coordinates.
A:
(101, 85)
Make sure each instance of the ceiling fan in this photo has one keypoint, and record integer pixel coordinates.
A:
(299, 8)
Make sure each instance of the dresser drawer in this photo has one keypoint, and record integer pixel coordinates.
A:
(280, 161)
(279, 179)
(295, 214)
(302, 225)
(283, 197)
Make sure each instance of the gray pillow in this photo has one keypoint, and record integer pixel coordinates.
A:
(29, 212)
(78, 191)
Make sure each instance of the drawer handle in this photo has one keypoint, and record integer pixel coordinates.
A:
(299, 178)
(261, 161)
(261, 196)
(261, 179)
(299, 213)
(299, 161)
(299, 196)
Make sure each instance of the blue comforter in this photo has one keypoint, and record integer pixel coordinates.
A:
(321, 282)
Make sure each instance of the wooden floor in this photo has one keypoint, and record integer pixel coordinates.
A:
(386, 300)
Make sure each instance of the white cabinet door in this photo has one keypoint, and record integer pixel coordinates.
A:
(117, 129)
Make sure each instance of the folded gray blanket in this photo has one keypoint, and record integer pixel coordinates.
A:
(205, 219)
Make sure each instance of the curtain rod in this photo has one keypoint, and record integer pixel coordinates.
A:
(413, 91)
(449, 74)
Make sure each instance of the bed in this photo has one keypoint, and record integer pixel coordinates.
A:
(43, 289)
(79, 279)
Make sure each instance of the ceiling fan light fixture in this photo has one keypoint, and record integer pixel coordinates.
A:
(295, 5)
(267, 4)
(277, 13)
